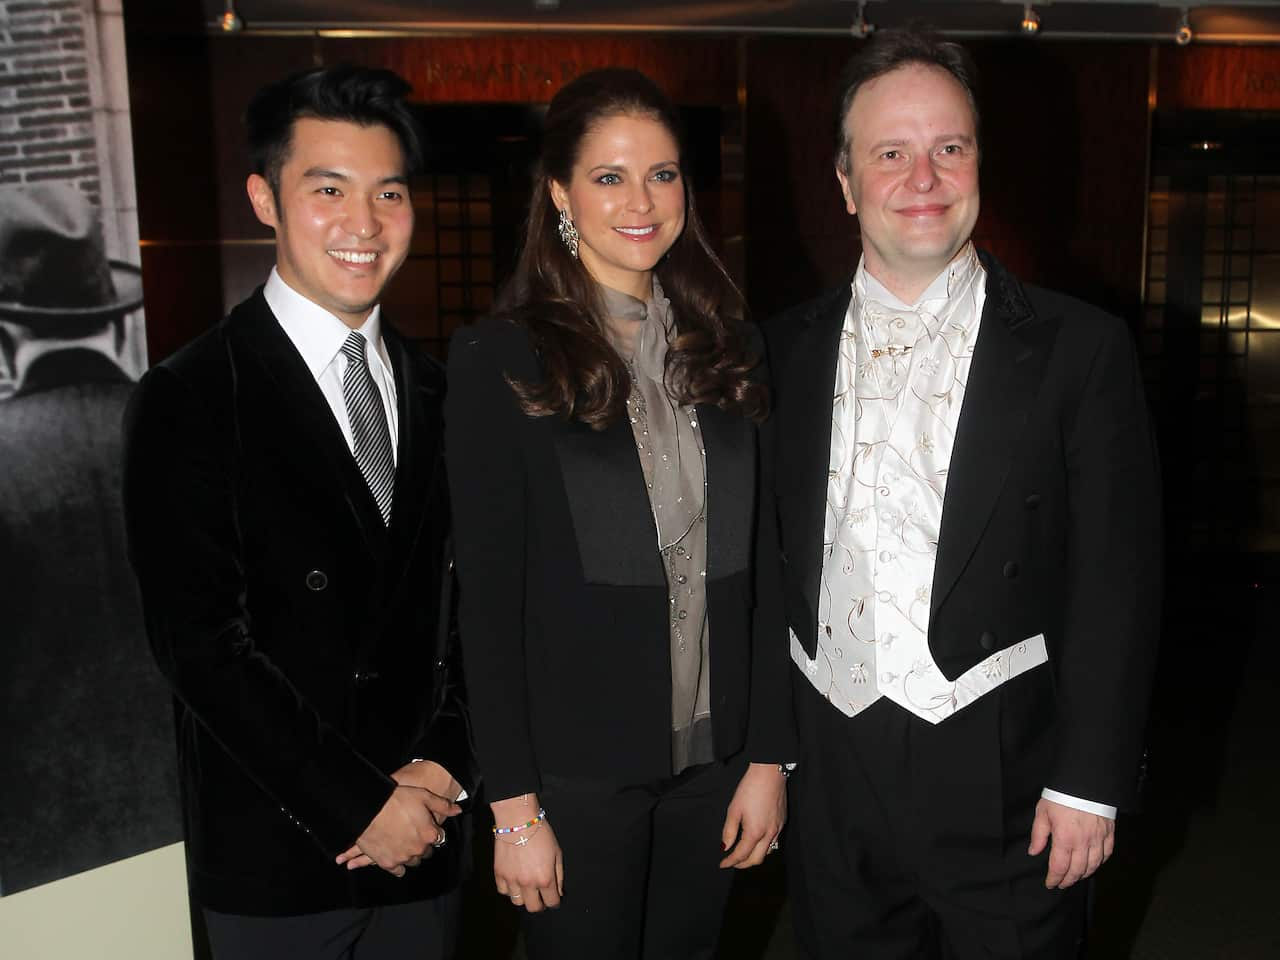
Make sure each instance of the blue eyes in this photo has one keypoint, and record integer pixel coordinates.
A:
(662, 176)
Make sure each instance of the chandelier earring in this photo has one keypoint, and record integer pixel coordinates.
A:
(568, 233)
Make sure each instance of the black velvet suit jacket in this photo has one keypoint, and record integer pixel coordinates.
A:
(1050, 519)
(296, 630)
(563, 604)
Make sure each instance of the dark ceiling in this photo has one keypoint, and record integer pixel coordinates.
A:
(1245, 21)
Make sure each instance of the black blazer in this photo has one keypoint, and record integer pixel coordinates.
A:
(563, 603)
(1050, 522)
(296, 630)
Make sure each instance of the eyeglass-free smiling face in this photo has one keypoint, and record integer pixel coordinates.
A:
(344, 218)
(912, 175)
(626, 198)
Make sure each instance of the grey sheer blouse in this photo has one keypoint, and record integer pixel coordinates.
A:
(672, 457)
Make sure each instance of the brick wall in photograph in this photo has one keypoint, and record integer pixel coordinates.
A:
(46, 115)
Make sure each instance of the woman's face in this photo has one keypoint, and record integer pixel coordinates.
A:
(626, 198)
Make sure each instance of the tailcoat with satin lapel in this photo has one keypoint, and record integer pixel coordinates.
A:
(563, 604)
(1050, 519)
(297, 631)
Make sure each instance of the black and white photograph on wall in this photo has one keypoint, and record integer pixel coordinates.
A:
(85, 722)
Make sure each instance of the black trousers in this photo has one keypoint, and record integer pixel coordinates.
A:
(908, 839)
(424, 930)
(641, 874)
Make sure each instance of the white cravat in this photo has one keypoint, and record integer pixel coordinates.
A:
(318, 336)
(900, 381)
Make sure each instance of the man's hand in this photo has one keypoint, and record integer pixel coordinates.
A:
(755, 816)
(428, 775)
(402, 833)
(1082, 842)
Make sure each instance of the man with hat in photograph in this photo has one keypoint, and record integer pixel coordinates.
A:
(86, 723)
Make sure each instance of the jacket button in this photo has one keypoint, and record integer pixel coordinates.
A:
(1010, 570)
(1032, 501)
(317, 580)
(987, 640)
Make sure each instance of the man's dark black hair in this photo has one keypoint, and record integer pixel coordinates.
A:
(360, 95)
(888, 50)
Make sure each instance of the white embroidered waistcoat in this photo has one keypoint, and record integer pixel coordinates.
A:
(899, 387)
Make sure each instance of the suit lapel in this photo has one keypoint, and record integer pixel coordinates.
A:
(309, 438)
(805, 387)
(612, 516)
(1009, 358)
(416, 462)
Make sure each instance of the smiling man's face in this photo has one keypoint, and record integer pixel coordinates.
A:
(912, 175)
(343, 218)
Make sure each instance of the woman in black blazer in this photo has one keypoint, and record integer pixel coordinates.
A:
(602, 460)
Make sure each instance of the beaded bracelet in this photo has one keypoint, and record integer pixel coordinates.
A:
(536, 821)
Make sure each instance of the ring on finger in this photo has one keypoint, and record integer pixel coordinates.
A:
(774, 845)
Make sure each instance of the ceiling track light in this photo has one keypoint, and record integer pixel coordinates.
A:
(861, 29)
(1030, 25)
(230, 21)
(1183, 35)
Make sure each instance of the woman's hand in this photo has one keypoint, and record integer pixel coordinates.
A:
(755, 817)
(527, 866)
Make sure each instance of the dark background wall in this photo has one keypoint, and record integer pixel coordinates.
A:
(1065, 130)
(202, 249)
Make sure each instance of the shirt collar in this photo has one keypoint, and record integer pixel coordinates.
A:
(316, 333)
(649, 353)
(935, 296)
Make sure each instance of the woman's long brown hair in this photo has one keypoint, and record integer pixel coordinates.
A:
(553, 295)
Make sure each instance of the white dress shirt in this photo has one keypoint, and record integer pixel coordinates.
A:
(318, 336)
(900, 381)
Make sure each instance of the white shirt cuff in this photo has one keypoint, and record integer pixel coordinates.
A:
(462, 794)
(1088, 806)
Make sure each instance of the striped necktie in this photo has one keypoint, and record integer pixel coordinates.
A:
(368, 424)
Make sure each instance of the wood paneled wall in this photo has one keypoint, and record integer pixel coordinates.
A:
(202, 246)
(509, 68)
(1065, 143)
(1064, 140)
(1219, 78)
